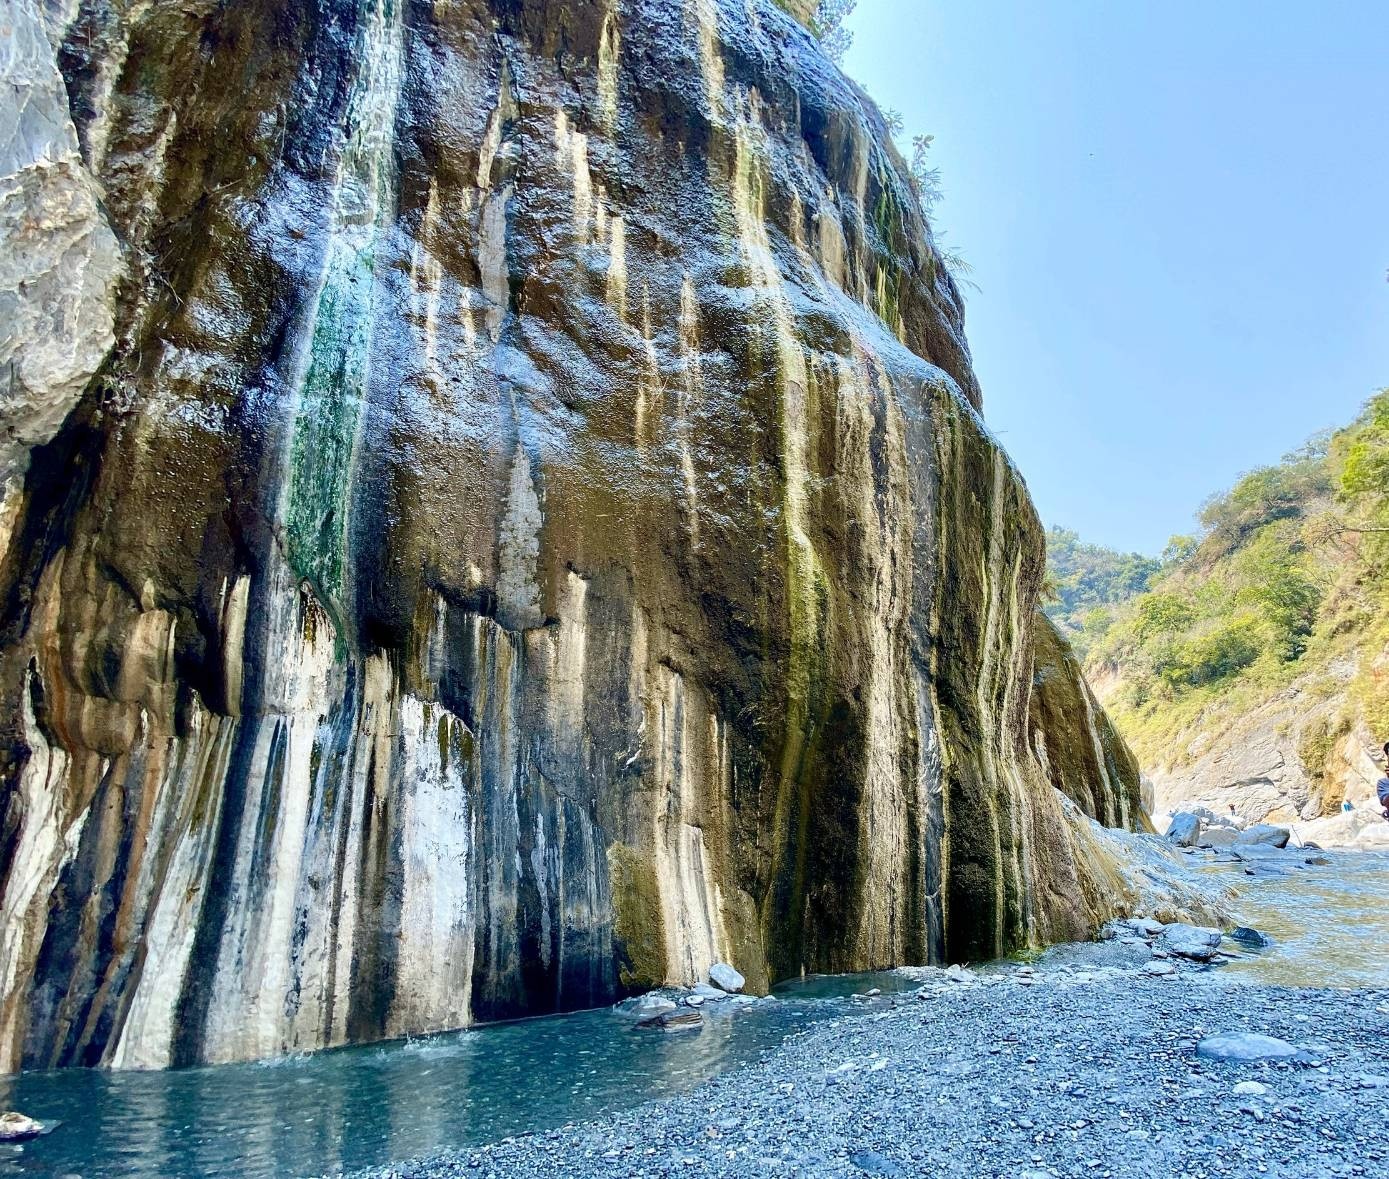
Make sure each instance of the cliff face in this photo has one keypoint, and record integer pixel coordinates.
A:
(1081, 752)
(60, 259)
(534, 536)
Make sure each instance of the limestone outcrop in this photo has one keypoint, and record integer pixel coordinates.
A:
(60, 259)
(533, 538)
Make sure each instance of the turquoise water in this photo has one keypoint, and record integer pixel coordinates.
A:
(360, 1107)
(365, 1106)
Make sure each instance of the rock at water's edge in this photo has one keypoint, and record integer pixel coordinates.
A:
(15, 1127)
(726, 978)
(1184, 829)
(1247, 936)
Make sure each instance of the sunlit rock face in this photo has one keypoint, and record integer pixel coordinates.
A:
(1081, 752)
(60, 260)
(533, 537)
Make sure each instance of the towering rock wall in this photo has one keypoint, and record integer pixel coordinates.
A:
(1081, 751)
(533, 536)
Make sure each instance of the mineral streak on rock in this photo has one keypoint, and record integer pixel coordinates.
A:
(534, 538)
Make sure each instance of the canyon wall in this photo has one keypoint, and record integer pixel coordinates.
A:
(532, 536)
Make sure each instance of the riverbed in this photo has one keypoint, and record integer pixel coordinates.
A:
(371, 1106)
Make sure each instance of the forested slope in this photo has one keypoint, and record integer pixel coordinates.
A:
(1254, 666)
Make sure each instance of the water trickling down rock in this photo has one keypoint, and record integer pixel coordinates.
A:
(533, 537)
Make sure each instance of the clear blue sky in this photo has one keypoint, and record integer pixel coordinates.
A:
(1178, 217)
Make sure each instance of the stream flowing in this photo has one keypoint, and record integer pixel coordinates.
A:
(376, 1104)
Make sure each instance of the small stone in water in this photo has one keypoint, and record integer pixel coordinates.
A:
(15, 1127)
(680, 1020)
(1250, 937)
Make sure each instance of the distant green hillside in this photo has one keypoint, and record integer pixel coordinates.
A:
(1089, 578)
(1286, 584)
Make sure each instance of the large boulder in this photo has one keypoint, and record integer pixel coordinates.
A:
(1263, 834)
(1184, 829)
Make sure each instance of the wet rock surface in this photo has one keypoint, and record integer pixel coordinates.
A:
(533, 538)
(1075, 1067)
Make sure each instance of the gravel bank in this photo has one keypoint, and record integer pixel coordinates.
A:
(1085, 1066)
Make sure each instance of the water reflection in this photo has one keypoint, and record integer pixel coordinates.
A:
(360, 1107)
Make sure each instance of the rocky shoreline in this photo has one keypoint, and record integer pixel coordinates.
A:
(1103, 1059)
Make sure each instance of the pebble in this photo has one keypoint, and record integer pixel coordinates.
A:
(1114, 1076)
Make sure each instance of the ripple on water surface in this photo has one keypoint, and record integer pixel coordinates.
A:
(1330, 923)
(360, 1107)
(366, 1106)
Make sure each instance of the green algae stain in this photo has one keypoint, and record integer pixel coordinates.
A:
(326, 429)
(334, 387)
(638, 922)
(443, 739)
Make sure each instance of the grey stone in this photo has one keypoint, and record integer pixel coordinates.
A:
(60, 261)
(1184, 829)
(683, 1019)
(1196, 942)
(1244, 1046)
(1265, 834)
(1159, 968)
(723, 976)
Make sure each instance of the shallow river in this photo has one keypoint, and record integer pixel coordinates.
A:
(359, 1107)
